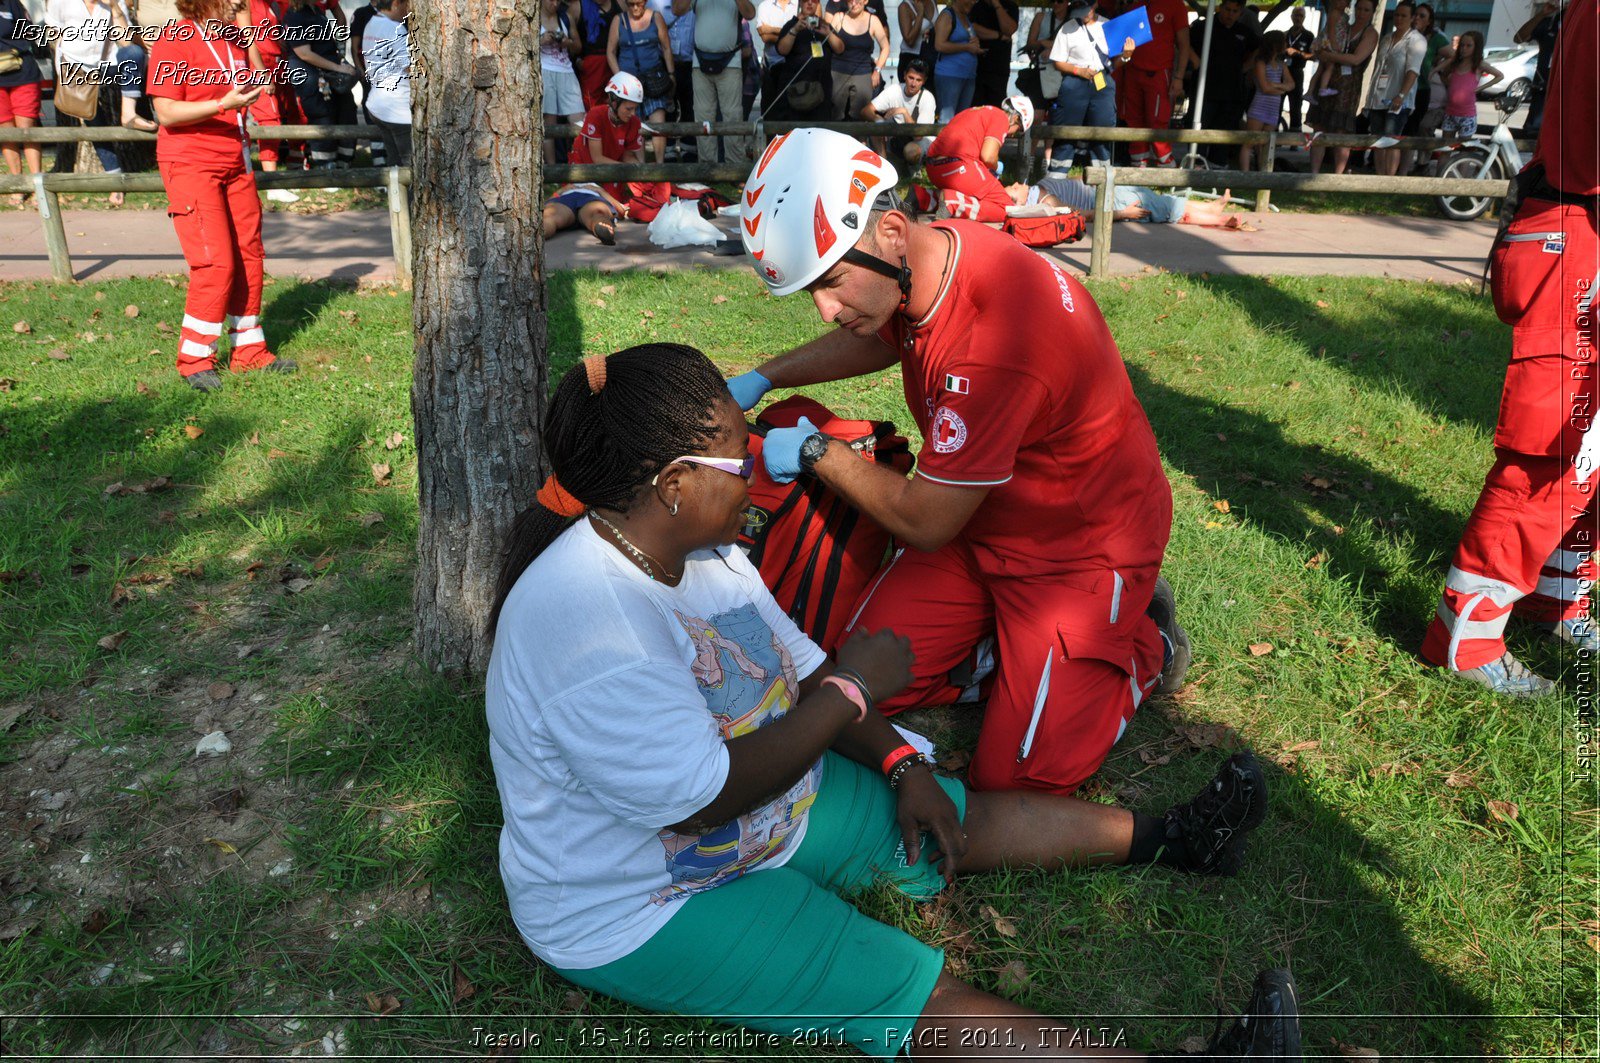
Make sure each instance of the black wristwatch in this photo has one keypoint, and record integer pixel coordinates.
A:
(812, 450)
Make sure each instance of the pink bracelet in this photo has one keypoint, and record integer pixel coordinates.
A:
(851, 692)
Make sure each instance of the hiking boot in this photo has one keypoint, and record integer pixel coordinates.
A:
(281, 365)
(1211, 832)
(1163, 609)
(1507, 675)
(1269, 1026)
(1576, 631)
(206, 380)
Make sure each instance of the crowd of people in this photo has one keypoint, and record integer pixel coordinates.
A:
(312, 58)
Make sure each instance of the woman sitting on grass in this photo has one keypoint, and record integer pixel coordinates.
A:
(690, 785)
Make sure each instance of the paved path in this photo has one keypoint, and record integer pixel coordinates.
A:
(354, 245)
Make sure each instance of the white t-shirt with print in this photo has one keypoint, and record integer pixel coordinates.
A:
(610, 697)
(926, 110)
(386, 49)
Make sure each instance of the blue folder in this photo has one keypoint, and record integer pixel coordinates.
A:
(1135, 24)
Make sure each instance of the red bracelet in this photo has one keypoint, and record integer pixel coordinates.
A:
(897, 756)
(851, 692)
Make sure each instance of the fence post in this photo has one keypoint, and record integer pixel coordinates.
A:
(55, 231)
(1269, 161)
(399, 228)
(1100, 239)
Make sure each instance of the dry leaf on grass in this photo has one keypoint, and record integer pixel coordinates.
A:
(158, 483)
(1322, 304)
(141, 387)
(96, 921)
(226, 847)
(110, 642)
(381, 472)
(1302, 747)
(60, 354)
(220, 691)
(193, 431)
(369, 519)
(1317, 559)
(608, 289)
(273, 453)
(393, 440)
(350, 316)
(164, 327)
(954, 762)
(1260, 649)
(1012, 978)
(461, 986)
(1352, 1052)
(601, 303)
(1221, 506)
(1002, 925)
(22, 328)
(226, 803)
(295, 586)
(383, 1003)
(130, 311)
(1459, 780)
(718, 300)
(1503, 811)
(1206, 735)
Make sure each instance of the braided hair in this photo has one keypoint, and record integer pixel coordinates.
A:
(653, 403)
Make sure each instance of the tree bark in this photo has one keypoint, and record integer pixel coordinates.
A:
(482, 368)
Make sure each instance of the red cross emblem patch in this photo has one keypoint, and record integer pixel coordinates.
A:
(949, 431)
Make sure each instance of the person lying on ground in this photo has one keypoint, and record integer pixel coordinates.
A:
(691, 787)
(1131, 203)
(588, 205)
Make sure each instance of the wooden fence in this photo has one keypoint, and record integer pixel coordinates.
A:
(395, 180)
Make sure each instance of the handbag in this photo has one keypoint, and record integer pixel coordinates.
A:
(339, 83)
(10, 62)
(805, 96)
(78, 87)
(1048, 230)
(714, 63)
(657, 84)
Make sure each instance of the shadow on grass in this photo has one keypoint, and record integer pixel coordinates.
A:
(289, 308)
(1279, 486)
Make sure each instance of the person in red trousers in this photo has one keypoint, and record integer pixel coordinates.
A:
(1153, 78)
(1529, 545)
(962, 160)
(201, 85)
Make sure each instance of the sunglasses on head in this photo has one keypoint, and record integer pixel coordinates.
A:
(740, 467)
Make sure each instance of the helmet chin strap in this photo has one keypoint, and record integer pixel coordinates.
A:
(900, 274)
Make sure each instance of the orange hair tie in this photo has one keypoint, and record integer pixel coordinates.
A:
(559, 500)
(595, 366)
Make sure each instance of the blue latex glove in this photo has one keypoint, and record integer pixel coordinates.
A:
(748, 388)
(780, 450)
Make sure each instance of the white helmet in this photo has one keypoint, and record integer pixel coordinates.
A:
(806, 203)
(1022, 107)
(624, 86)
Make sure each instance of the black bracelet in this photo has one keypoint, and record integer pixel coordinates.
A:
(861, 684)
(902, 766)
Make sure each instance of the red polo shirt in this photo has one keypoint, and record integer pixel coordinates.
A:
(184, 65)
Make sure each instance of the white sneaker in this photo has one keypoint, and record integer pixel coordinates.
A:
(282, 195)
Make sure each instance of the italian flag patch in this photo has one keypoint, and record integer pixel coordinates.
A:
(956, 385)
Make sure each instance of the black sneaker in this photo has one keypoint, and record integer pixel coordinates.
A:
(1269, 1027)
(1210, 833)
(281, 365)
(1163, 610)
(206, 380)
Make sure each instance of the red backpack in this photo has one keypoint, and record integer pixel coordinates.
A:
(1047, 231)
(814, 551)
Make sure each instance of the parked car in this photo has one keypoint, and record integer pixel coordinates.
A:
(1516, 63)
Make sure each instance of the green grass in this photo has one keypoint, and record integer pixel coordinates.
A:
(1346, 424)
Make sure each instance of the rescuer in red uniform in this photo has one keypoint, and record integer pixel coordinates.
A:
(201, 85)
(1529, 545)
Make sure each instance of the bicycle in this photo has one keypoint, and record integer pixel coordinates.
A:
(1485, 156)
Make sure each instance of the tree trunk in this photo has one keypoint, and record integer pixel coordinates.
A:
(482, 369)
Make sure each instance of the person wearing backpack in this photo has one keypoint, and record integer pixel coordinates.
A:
(1039, 512)
(718, 71)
